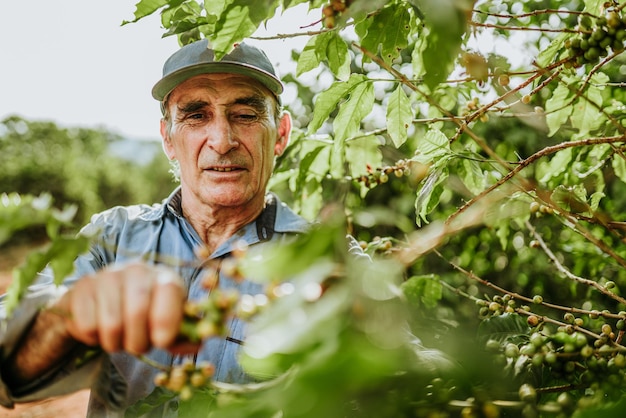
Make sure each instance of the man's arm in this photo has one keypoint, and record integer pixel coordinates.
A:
(130, 308)
(45, 345)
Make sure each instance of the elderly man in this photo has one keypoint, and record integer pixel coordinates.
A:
(223, 126)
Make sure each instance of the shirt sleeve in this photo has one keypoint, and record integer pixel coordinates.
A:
(67, 377)
(79, 370)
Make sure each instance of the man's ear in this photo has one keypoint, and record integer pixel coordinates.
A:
(284, 133)
(167, 142)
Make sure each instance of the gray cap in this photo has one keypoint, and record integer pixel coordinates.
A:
(197, 58)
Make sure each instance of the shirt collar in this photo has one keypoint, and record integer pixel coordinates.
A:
(287, 221)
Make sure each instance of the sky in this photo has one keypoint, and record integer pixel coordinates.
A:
(71, 62)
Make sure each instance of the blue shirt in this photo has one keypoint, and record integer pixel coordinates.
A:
(156, 234)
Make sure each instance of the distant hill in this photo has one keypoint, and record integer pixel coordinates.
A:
(138, 150)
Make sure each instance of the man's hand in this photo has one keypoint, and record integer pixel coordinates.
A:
(131, 308)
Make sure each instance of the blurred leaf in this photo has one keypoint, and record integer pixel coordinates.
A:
(268, 265)
(586, 116)
(605, 410)
(502, 328)
(148, 404)
(557, 109)
(556, 166)
(59, 254)
(429, 193)
(619, 166)
(426, 290)
(594, 6)
(472, 176)
(573, 199)
(363, 152)
(312, 163)
(446, 21)
(199, 405)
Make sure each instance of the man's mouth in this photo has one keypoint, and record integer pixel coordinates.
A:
(223, 169)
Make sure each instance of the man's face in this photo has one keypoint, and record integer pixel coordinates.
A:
(225, 134)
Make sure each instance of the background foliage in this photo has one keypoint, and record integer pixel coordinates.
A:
(76, 166)
(488, 188)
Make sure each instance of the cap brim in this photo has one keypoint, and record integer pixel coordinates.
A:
(164, 86)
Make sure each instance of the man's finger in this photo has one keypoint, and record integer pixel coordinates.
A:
(166, 311)
(80, 303)
(136, 308)
(110, 299)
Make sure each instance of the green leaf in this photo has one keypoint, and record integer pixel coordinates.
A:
(586, 116)
(59, 254)
(594, 6)
(572, 199)
(306, 164)
(399, 116)
(237, 22)
(184, 21)
(398, 35)
(146, 7)
(503, 232)
(594, 201)
(423, 290)
(309, 58)
(329, 99)
(198, 405)
(603, 409)
(328, 47)
(446, 21)
(338, 158)
(216, 8)
(311, 200)
(233, 26)
(62, 254)
(558, 110)
(23, 277)
(548, 55)
(338, 56)
(431, 147)
(619, 166)
(505, 327)
(352, 112)
(270, 334)
(158, 397)
(390, 39)
(417, 57)
(267, 264)
(366, 151)
(18, 212)
(428, 194)
(472, 176)
(556, 166)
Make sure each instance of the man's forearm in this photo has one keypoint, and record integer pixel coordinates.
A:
(43, 347)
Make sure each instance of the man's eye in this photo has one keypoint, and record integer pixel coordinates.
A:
(246, 117)
(196, 116)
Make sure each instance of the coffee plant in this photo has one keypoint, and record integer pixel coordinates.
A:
(475, 150)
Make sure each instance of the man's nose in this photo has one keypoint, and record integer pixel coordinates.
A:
(220, 136)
